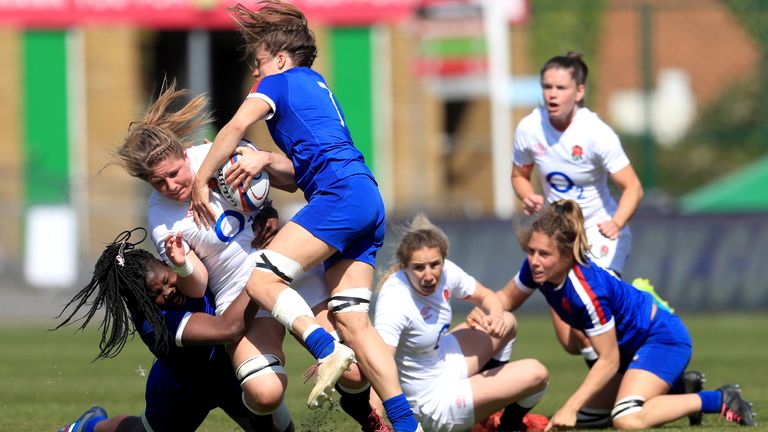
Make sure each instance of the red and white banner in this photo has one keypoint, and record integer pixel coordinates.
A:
(188, 13)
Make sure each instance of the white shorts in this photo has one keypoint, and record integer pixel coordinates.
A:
(607, 253)
(311, 287)
(448, 405)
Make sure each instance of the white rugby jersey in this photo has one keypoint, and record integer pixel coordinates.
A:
(225, 248)
(575, 163)
(415, 323)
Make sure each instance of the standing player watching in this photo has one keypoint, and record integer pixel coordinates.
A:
(158, 150)
(575, 153)
(455, 378)
(343, 224)
(643, 349)
(139, 293)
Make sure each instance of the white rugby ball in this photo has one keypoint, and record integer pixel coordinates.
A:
(246, 198)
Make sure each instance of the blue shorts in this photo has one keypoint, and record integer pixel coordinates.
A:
(666, 352)
(348, 215)
(180, 401)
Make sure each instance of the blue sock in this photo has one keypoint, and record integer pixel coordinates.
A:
(399, 414)
(319, 342)
(91, 423)
(711, 401)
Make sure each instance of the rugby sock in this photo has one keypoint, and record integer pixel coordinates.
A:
(399, 414)
(590, 356)
(711, 401)
(90, 425)
(501, 357)
(355, 402)
(318, 341)
(512, 417)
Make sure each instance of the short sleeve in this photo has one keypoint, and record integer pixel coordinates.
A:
(389, 319)
(524, 278)
(460, 283)
(270, 89)
(609, 150)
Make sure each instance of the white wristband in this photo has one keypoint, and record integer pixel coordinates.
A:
(185, 270)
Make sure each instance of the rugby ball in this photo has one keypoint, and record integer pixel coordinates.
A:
(245, 198)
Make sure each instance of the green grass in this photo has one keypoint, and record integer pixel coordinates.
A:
(47, 378)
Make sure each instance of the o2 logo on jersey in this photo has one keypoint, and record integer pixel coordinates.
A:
(562, 183)
(229, 224)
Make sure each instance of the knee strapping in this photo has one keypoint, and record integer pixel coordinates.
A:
(350, 300)
(593, 418)
(286, 268)
(626, 406)
(258, 366)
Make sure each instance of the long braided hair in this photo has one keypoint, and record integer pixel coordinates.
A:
(119, 284)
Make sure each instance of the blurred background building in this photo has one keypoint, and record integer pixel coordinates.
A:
(432, 90)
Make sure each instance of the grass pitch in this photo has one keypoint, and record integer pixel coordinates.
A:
(47, 378)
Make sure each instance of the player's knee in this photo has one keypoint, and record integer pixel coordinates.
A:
(537, 373)
(627, 413)
(263, 381)
(287, 269)
(264, 395)
(350, 300)
(350, 311)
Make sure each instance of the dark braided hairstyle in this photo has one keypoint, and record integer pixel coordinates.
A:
(119, 283)
(276, 26)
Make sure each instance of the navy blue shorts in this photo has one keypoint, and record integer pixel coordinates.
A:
(180, 401)
(348, 215)
(667, 351)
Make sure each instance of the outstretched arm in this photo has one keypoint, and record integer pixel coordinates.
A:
(227, 328)
(511, 296)
(598, 377)
(225, 143)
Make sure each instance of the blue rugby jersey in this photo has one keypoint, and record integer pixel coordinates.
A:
(179, 358)
(593, 300)
(308, 125)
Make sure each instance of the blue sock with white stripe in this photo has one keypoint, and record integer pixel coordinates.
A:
(318, 341)
(399, 414)
(711, 401)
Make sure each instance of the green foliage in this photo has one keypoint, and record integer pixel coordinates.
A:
(731, 132)
(48, 378)
(557, 27)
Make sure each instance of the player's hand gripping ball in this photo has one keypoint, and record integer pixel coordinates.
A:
(245, 198)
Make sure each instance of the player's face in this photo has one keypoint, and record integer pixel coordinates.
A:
(547, 263)
(424, 270)
(172, 178)
(161, 287)
(265, 64)
(561, 95)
